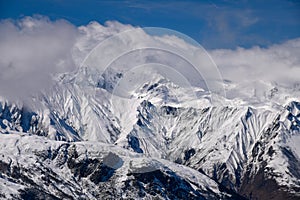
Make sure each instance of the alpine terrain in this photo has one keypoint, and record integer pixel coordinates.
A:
(92, 136)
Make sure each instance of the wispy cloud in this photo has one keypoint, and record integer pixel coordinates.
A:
(224, 23)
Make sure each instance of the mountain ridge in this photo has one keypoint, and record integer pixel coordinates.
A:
(229, 143)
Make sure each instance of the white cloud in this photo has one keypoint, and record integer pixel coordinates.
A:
(92, 34)
(278, 63)
(34, 48)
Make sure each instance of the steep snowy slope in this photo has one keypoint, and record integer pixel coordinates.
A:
(275, 158)
(33, 167)
(221, 141)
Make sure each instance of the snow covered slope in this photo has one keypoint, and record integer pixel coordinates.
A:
(232, 147)
(33, 167)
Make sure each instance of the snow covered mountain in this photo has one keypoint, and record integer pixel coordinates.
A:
(164, 141)
(139, 120)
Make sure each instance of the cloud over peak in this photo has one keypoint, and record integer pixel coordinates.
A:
(33, 49)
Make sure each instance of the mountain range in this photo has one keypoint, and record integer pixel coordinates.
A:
(80, 140)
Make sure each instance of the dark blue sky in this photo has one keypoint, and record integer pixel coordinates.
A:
(214, 24)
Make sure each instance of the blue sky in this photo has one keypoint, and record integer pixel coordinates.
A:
(214, 24)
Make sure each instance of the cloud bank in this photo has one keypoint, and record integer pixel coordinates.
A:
(278, 63)
(34, 49)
